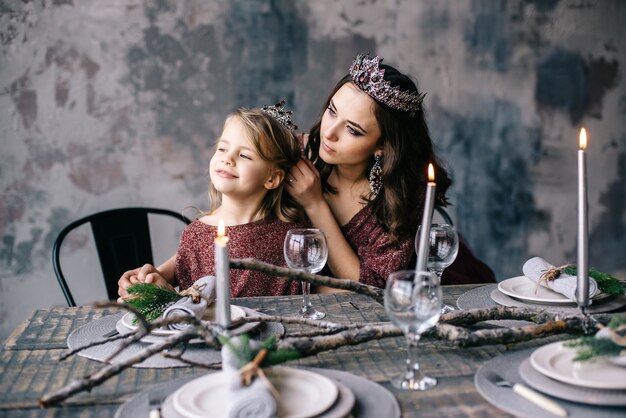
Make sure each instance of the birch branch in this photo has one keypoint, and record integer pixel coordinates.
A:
(309, 346)
(90, 381)
(294, 320)
(315, 279)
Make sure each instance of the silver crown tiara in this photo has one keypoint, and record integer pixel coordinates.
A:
(368, 76)
(279, 113)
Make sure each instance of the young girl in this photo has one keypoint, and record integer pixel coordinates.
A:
(251, 158)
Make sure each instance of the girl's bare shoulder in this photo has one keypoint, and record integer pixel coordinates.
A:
(209, 220)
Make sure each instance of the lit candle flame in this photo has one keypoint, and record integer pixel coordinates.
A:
(431, 172)
(582, 142)
(221, 228)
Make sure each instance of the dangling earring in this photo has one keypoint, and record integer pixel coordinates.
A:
(376, 175)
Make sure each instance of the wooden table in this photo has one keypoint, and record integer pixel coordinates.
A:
(29, 364)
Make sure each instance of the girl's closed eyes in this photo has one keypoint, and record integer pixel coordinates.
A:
(246, 154)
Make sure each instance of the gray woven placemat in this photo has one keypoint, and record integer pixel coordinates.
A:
(507, 366)
(489, 296)
(480, 298)
(477, 298)
(609, 305)
(195, 352)
(372, 399)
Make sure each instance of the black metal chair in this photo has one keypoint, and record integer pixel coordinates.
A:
(122, 238)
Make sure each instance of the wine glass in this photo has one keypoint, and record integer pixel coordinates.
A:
(306, 249)
(413, 303)
(443, 249)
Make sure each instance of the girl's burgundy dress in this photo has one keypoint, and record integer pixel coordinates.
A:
(262, 240)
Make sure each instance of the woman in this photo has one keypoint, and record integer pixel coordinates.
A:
(364, 184)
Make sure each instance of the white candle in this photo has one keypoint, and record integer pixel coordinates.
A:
(429, 203)
(222, 274)
(582, 268)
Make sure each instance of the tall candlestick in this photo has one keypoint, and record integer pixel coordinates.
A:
(429, 203)
(582, 268)
(222, 274)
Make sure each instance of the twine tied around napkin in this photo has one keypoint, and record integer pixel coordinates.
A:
(194, 302)
(550, 275)
(545, 274)
(195, 292)
(253, 369)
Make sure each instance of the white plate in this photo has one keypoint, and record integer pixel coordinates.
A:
(236, 312)
(340, 409)
(578, 394)
(303, 394)
(556, 361)
(521, 287)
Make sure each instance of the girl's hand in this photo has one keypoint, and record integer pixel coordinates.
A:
(145, 274)
(304, 184)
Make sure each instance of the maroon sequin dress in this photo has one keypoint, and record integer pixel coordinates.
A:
(379, 256)
(262, 240)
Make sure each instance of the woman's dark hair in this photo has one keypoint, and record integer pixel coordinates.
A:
(407, 150)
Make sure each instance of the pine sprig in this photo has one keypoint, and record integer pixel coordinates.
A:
(617, 321)
(590, 348)
(606, 283)
(149, 299)
(245, 353)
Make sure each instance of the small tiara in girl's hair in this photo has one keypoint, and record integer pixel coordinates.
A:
(279, 113)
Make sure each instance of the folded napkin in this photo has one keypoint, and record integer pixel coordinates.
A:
(564, 284)
(253, 401)
(186, 307)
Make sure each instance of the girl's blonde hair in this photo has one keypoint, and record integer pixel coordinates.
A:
(278, 146)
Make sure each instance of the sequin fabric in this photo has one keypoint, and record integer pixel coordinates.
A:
(262, 240)
(379, 256)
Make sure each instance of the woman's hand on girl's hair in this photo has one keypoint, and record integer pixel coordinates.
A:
(304, 184)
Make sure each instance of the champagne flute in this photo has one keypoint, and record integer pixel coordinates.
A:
(413, 303)
(306, 249)
(443, 249)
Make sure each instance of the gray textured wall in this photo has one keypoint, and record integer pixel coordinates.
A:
(116, 103)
